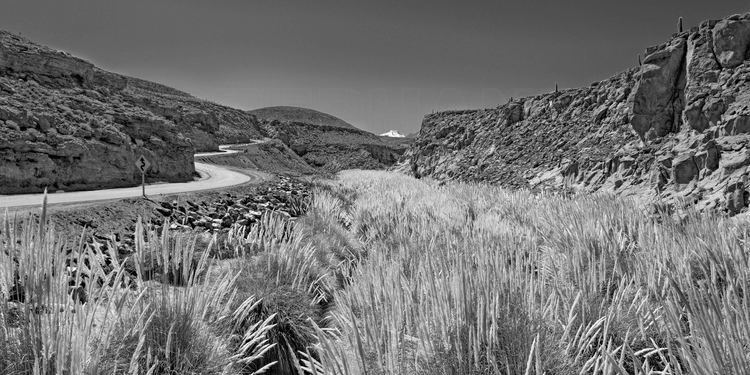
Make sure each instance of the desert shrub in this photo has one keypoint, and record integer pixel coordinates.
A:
(169, 257)
(283, 282)
(142, 326)
(52, 299)
(170, 340)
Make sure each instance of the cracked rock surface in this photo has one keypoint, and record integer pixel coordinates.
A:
(675, 129)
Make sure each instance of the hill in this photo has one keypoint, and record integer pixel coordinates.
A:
(333, 148)
(674, 129)
(68, 125)
(298, 114)
(325, 141)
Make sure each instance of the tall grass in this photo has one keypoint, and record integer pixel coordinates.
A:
(464, 279)
(81, 312)
(386, 274)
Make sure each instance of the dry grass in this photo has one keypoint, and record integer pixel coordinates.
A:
(391, 275)
(465, 279)
(122, 324)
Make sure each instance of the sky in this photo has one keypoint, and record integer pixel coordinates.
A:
(380, 64)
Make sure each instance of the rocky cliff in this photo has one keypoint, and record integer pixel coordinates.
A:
(67, 125)
(676, 129)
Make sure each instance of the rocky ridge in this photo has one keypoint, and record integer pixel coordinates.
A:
(68, 125)
(674, 129)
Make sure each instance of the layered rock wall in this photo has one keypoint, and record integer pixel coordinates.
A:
(676, 128)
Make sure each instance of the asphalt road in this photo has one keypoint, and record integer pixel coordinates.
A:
(212, 177)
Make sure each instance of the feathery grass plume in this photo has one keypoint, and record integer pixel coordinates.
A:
(46, 326)
(387, 274)
(475, 279)
(281, 282)
(173, 325)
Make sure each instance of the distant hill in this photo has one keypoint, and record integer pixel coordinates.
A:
(298, 114)
(327, 142)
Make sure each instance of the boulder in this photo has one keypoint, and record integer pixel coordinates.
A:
(712, 156)
(515, 112)
(736, 195)
(713, 109)
(600, 113)
(684, 169)
(693, 116)
(654, 103)
(731, 39)
(738, 125)
(731, 161)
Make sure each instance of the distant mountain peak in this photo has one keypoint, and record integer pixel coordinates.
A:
(392, 134)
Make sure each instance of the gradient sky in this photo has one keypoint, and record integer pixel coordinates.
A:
(379, 64)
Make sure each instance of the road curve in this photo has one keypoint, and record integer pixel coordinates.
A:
(212, 177)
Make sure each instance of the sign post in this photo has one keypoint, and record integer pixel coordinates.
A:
(143, 164)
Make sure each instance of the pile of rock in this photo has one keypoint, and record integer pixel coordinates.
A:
(284, 196)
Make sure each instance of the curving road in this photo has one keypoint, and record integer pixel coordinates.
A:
(212, 177)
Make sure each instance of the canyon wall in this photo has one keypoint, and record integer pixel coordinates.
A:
(675, 129)
(68, 125)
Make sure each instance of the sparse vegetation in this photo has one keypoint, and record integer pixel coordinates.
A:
(387, 274)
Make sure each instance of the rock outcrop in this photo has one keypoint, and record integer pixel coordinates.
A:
(676, 129)
(67, 125)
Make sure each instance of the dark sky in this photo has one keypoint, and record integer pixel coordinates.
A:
(379, 64)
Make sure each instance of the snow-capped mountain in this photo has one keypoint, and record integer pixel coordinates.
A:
(393, 134)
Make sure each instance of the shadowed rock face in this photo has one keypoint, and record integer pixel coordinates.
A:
(67, 125)
(675, 128)
(657, 101)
